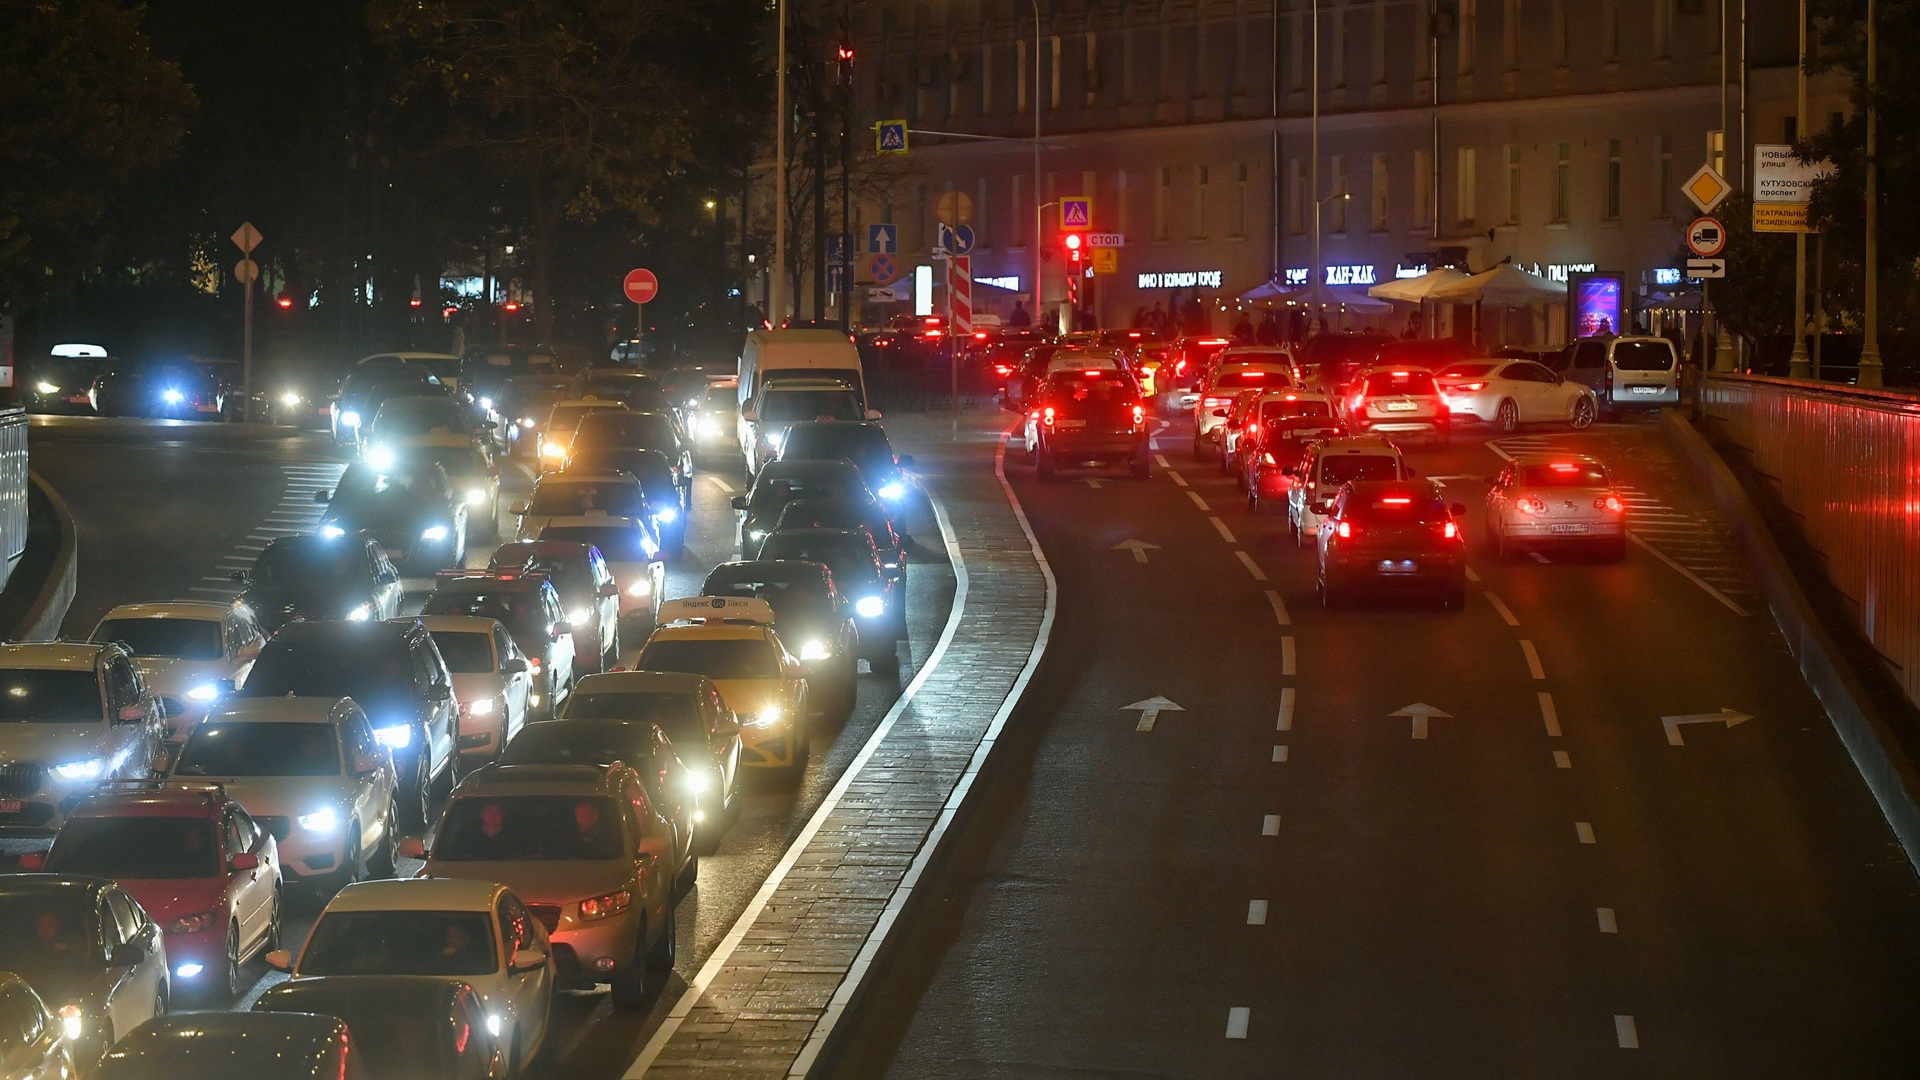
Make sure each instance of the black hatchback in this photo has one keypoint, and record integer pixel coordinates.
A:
(237, 1046)
(407, 504)
(336, 576)
(405, 1026)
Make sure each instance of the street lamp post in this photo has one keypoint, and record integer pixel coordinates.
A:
(779, 266)
(1038, 251)
(1870, 348)
(1320, 271)
(1797, 366)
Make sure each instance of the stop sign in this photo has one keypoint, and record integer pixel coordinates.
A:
(641, 286)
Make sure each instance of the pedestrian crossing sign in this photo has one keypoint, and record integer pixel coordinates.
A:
(1076, 213)
(890, 137)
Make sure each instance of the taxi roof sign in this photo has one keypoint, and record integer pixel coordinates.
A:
(717, 609)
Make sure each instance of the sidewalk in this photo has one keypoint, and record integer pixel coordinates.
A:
(768, 998)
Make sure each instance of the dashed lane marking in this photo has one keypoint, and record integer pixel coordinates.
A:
(1549, 714)
(1506, 614)
(1198, 501)
(1237, 1019)
(1538, 557)
(1285, 722)
(1286, 655)
(1270, 825)
(1279, 608)
(1253, 568)
(1256, 913)
(1280, 754)
(1471, 576)
(1533, 659)
(1161, 460)
(1623, 1030)
(1561, 760)
(1608, 924)
(1177, 478)
(1584, 830)
(721, 484)
(1221, 528)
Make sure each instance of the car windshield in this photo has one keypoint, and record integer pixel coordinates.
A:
(568, 569)
(522, 613)
(184, 639)
(627, 429)
(35, 695)
(466, 652)
(580, 498)
(1388, 383)
(529, 828)
(1642, 355)
(1394, 507)
(1241, 378)
(848, 555)
(42, 931)
(363, 485)
(1567, 474)
(1082, 388)
(456, 460)
(368, 672)
(401, 417)
(597, 740)
(819, 514)
(721, 399)
(437, 943)
(567, 416)
(785, 405)
(725, 658)
(773, 489)
(137, 848)
(676, 712)
(1338, 469)
(617, 543)
(1278, 412)
(862, 445)
(310, 560)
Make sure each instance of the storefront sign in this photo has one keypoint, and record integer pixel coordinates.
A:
(1401, 273)
(1664, 275)
(1011, 284)
(1358, 274)
(1562, 271)
(1296, 275)
(1182, 279)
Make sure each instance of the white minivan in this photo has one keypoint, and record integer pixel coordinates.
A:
(1626, 372)
(825, 354)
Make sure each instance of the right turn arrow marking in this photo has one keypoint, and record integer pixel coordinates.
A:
(1724, 716)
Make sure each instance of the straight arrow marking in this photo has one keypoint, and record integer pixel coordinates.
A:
(1138, 547)
(1421, 712)
(1724, 716)
(1150, 711)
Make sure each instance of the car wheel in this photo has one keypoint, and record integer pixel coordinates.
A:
(630, 978)
(418, 802)
(689, 874)
(232, 984)
(1582, 412)
(1043, 466)
(611, 658)
(386, 857)
(1506, 418)
(1253, 498)
(1502, 547)
(1196, 445)
(660, 957)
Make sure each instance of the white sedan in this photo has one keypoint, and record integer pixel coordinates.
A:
(491, 681)
(1508, 393)
(189, 655)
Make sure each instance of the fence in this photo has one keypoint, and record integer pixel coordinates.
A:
(1847, 462)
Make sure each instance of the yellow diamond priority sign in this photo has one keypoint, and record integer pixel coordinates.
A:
(1706, 189)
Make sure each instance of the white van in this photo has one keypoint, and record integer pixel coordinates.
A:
(818, 353)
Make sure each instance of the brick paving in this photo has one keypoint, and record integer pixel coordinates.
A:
(755, 1017)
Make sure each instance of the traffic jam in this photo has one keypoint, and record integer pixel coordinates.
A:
(461, 725)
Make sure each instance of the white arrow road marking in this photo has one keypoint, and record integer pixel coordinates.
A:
(1724, 716)
(1256, 913)
(1270, 825)
(1583, 830)
(1623, 1030)
(1138, 547)
(1237, 1018)
(1608, 924)
(1420, 711)
(1150, 711)
(1280, 754)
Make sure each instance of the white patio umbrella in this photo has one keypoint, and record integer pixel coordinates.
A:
(1505, 285)
(1415, 289)
(1319, 294)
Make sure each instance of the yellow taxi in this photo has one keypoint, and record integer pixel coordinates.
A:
(730, 640)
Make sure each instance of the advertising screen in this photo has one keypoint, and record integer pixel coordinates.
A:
(1596, 305)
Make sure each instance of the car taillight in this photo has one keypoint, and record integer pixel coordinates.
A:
(533, 664)
(1344, 531)
(1611, 502)
(1471, 386)
(1530, 505)
(1002, 369)
(1268, 458)
(1048, 415)
(1253, 429)
(1139, 415)
(1451, 531)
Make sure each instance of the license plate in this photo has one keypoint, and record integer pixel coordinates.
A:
(10, 806)
(1567, 528)
(1069, 425)
(1647, 389)
(1397, 566)
(1399, 406)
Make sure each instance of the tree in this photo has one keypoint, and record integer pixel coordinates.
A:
(89, 107)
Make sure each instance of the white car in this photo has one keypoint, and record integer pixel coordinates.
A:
(71, 715)
(1508, 393)
(491, 682)
(1269, 370)
(1328, 464)
(556, 434)
(632, 553)
(1555, 499)
(310, 771)
(189, 655)
(572, 494)
(441, 928)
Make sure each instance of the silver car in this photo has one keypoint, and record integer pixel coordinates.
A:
(71, 715)
(1329, 463)
(1562, 499)
(491, 681)
(189, 655)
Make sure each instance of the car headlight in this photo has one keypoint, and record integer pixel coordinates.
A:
(188, 971)
(643, 587)
(324, 820)
(196, 922)
(476, 496)
(81, 770)
(172, 396)
(204, 692)
(892, 489)
(380, 457)
(767, 718)
(814, 650)
(870, 607)
(46, 388)
(289, 399)
(579, 616)
(350, 419)
(361, 613)
(73, 1022)
(397, 737)
(493, 1024)
(552, 450)
(698, 780)
(527, 423)
(332, 532)
(775, 438)
(756, 534)
(436, 532)
(666, 514)
(486, 403)
(483, 707)
(596, 908)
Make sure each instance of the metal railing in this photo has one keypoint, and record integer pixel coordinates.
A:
(13, 488)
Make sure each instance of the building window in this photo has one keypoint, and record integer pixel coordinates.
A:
(1296, 196)
(1463, 199)
(1297, 25)
(1662, 28)
(1161, 195)
(1510, 35)
(1613, 179)
(1053, 96)
(1240, 202)
(1201, 188)
(1378, 32)
(1093, 69)
(1562, 182)
(982, 231)
(1021, 67)
(1339, 215)
(1512, 157)
(1333, 55)
(986, 80)
(1126, 67)
(1017, 206)
(1665, 200)
(1422, 190)
(1610, 31)
(1469, 20)
(1379, 193)
(1559, 31)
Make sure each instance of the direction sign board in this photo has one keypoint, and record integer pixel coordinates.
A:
(890, 137)
(883, 238)
(1706, 189)
(1076, 212)
(246, 237)
(640, 286)
(837, 278)
(1781, 217)
(1705, 237)
(954, 208)
(962, 240)
(1106, 240)
(883, 269)
(1106, 260)
(1706, 268)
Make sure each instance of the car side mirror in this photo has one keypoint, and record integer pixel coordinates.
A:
(873, 414)
(1289, 470)
(131, 714)
(609, 589)
(33, 860)
(527, 960)
(515, 666)
(246, 860)
(905, 461)
(439, 692)
(486, 425)
(323, 495)
(1457, 508)
(128, 953)
(364, 764)
(654, 844)
(749, 414)
(412, 847)
(518, 509)
(739, 502)
(279, 960)
(562, 629)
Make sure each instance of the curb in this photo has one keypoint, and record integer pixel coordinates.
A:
(1891, 778)
(41, 621)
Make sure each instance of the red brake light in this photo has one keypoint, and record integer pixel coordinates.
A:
(1091, 373)
(1344, 530)
(1530, 505)
(1049, 416)
(1564, 466)
(1471, 386)
(286, 301)
(1268, 458)
(1139, 416)
(930, 333)
(1611, 502)
(930, 320)
(1253, 429)
(1452, 531)
(1133, 333)
(1401, 374)
(1397, 500)
(1213, 341)
(1002, 369)
(1293, 397)
(979, 335)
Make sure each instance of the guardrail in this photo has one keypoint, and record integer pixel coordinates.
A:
(1847, 463)
(13, 489)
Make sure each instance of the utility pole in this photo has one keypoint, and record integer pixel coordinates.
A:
(779, 267)
(846, 167)
(1870, 349)
(1797, 364)
(1039, 251)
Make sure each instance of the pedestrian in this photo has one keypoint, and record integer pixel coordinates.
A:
(1268, 333)
(1296, 325)
(1323, 325)
(1156, 319)
(1019, 316)
(1243, 330)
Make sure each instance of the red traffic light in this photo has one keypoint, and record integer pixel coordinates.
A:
(1073, 241)
(846, 54)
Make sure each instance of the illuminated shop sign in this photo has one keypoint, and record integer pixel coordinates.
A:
(1403, 272)
(1182, 279)
(1350, 275)
(1560, 271)
(1011, 284)
(1666, 275)
(1296, 275)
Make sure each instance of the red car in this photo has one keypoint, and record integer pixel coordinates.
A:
(194, 859)
(1285, 424)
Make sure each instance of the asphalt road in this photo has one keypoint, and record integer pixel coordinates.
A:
(1283, 879)
(166, 510)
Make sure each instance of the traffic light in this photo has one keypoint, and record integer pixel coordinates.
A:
(1076, 245)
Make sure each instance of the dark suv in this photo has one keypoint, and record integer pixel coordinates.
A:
(526, 604)
(1092, 416)
(393, 671)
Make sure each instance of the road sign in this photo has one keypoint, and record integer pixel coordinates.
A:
(1076, 212)
(1781, 217)
(837, 278)
(1706, 268)
(890, 137)
(1150, 711)
(883, 238)
(1106, 240)
(246, 237)
(962, 240)
(837, 246)
(1706, 236)
(1706, 189)
(960, 295)
(246, 271)
(641, 286)
(1724, 716)
(1106, 260)
(883, 269)
(954, 208)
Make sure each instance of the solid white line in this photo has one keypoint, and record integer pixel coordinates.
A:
(721, 484)
(1471, 576)
(1256, 913)
(202, 588)
(1504, 456)
(1198, 501)
(1561, 760)
(1279, 608)
(1549, 714)
(863, 962)
(1221, 528)
(1161, 460)
(1237, 1018)
(1280, 754)
(249, 547)
(1623, 1029)
(1533, 659)
(1176, 478)
(1246, 560)
(1506, 615)
(1270, 825)
(1286, 710)
(1689, 575)
(1608, 924)
(1584, 830)
(1286, 655)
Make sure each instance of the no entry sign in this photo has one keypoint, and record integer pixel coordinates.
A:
(641, 286)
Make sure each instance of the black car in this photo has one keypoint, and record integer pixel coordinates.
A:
(352, 411)
(810, 614)
(781, 482)
(405, 1028)
(396, 674)
(1395, 536)
(407, 504)
(879, 603)
(237, 1046)
(529, 607)
(637, 390)
(484, 368)
(474, 471)
(321, 576)
(61, 384)
(161, 391)
(862, 442)
(666, 499)
(610, 430)
(599, 726)
(88, 949)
